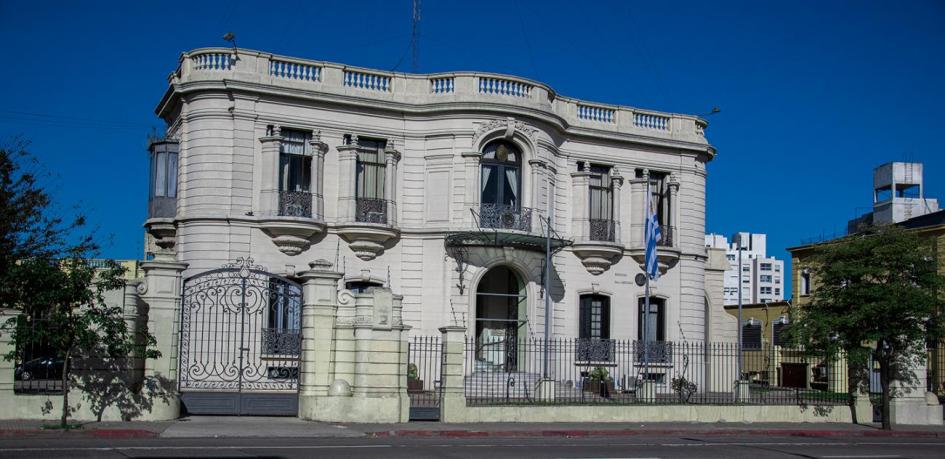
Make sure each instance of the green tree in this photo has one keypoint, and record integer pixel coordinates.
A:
(46, 276)
(876, 289)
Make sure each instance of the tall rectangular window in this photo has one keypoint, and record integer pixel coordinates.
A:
(162, 186)
(371, 167)
(601, 211)
(295, 161)
(595, 317)
(655, 329)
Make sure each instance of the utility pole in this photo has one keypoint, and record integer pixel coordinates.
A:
(547, 286)
(738, 366)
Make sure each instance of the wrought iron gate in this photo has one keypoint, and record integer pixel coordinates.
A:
(424, 361)
(240, 342)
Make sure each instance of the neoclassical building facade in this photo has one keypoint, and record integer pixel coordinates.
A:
(441, 187)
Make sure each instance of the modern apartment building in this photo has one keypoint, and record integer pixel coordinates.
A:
(762, 277)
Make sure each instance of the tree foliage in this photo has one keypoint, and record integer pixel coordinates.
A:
(45, 275)
(877, 292)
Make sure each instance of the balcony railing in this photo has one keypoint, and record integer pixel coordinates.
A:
(416, 89)
(603, 230)
(371, 210)
(501, 216)
(666, 236)
(295, 204)
(596, 350)
(655, 352)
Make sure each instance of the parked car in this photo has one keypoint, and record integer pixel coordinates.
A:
(39, 368)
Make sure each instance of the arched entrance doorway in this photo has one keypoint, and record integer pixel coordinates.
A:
(501, 319)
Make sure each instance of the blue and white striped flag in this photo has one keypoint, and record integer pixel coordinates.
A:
(652, 236)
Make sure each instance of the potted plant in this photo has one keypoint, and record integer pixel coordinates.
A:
(414, 383)
(599, 382)
(684, 388)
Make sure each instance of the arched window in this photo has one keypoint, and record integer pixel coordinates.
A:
(502, 175)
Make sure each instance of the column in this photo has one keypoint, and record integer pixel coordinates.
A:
(319, 149)
(453, 377)
(319, 309)
(580, 217)
(161, 292)
(471, 165)
(269, 198)
(536, 169)
(637, 204)
(673, 224)
(392, 157)
(347, 170)
(616, 181)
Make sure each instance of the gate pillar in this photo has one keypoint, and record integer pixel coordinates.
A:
(160, 292)
(319, 308)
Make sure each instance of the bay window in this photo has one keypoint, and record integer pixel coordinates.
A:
(601, 209)
(295, 174)
(371, 204)
(162, 193)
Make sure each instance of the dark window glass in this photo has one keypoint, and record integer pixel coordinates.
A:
(371, 169)
(595, 317)
(655, 319)
(295, 161)
(751, 335)
(501, 174)
(361, 286)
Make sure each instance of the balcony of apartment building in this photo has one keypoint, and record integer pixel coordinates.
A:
(291, 201)
(660, 190)
(367, 208)
(596, 205)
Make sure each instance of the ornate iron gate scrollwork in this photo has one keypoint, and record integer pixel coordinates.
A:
(240, 333)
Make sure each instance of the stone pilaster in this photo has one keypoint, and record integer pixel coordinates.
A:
(580, 217)
(319, 149)
(269, 173)
(673, 222)
(616, 181)
(391, 158)
(637, 204)
(473, 192)
(161, 292)
(452, 384)
(319, 309)
(347, 171)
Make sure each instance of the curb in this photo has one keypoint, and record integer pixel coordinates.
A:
(637, 433)
(91, 433)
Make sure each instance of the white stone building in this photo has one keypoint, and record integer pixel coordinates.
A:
(438, 187)
(762, 277)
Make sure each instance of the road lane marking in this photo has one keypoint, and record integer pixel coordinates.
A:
(865, 456)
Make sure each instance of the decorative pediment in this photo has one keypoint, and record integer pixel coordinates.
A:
(509, 125)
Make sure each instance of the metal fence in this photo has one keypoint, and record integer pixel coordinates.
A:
(516, 372)
(935, 381)
(38, 367)
(424, 356)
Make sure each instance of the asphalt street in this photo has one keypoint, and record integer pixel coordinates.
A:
(728, 447)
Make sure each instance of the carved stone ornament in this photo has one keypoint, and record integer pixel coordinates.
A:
(510, 125)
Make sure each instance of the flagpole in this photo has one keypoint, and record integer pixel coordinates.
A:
(646, 292)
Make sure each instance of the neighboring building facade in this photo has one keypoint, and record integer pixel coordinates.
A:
(898, 195)
(762, 277)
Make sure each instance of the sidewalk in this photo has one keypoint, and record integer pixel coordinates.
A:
(222, 427)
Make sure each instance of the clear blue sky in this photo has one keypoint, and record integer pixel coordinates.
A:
(813, 94)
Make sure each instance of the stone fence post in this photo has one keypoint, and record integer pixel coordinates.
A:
(319, 308)
(6, 346)
(453, 376)
(161, 293)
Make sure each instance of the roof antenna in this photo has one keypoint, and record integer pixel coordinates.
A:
(414, 33)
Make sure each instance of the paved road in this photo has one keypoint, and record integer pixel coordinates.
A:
(728, 447)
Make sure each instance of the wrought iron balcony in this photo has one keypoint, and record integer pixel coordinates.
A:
(654, 351)
(500, 216)
(281, 341)
(666, 236)
(295, 204)
(371, 210)
(603, 230)
(596, 350)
